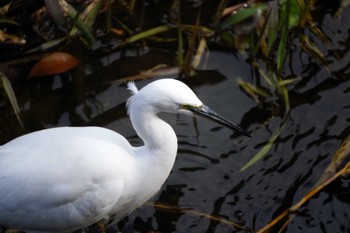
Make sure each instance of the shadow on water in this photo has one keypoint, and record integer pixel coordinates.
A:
(206, 176)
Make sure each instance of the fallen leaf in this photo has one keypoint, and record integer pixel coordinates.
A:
(118, 32)
(11, 39)
(55, 63)
(6, 85)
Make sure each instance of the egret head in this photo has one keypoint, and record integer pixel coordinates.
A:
(170, 95)
(165, 95)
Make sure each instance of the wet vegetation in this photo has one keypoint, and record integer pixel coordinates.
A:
(40, 39)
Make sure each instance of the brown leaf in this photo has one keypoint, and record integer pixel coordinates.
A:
(118, 32)
(54, 63)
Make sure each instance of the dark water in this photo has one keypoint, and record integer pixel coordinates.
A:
(206, 176)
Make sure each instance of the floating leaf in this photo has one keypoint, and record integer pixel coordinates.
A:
(292, 210)
(11, 96)
(251, 90)
(91, 12)
(8, 21)
(265, 149)
(339, 156)
(220, 10)
(285, 82)
(272, 28)
(290, 13)
(282, 47)
(171, 208)
(148, 33)
(343, 5)
(79, 22)
(312, 49)
(54, 63)
(200, 30)
(11, 39)
(285, 94)
(180, 47)
(47, 45)
(56, 12)
(243, 14)
(267, 78)
(332, 172)
(199, 54)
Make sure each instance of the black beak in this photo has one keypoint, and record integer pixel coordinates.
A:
(206, 112)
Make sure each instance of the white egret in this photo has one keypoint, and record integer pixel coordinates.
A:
(64, 179)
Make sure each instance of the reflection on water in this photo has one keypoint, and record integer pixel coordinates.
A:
(206, 175)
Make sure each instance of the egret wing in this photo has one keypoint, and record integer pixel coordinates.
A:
(66, 176)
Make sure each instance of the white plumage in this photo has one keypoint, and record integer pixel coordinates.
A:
(64, 179)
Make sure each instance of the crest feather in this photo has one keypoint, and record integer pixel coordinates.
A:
(132, 87)
(133, 90)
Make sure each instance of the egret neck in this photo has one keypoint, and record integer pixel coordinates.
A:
(157, 155)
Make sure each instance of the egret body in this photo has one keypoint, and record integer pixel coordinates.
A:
(64, 179)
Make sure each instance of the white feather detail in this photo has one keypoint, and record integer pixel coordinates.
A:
(133, 90)
(132, 87)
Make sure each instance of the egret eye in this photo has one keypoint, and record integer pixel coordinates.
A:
(189, 107)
